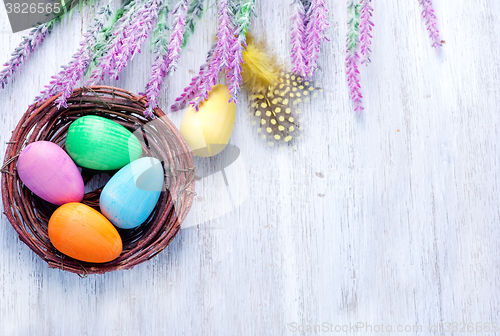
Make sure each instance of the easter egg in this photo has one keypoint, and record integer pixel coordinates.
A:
(82, 233)
(208, 130)
(101, 144)
(131, 194)
(48, 171)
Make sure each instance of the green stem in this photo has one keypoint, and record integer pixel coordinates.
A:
(354, 11)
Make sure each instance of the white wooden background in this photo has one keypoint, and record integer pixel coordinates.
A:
(389, 218)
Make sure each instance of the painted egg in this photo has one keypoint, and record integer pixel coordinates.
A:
(48, 171)
(131, 194)
(101, 144)
(82, 233)
(208, 130)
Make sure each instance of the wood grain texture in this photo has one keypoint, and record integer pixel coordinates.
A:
(390, 217)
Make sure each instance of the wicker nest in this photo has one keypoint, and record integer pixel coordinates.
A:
(29, 214)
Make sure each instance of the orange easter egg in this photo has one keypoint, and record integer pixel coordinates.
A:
(83, 233)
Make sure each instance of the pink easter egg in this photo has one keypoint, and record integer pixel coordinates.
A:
(48, 171)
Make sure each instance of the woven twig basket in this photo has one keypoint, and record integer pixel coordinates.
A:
(29, 214)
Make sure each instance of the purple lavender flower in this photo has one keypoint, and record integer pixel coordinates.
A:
(225, 33)
(208, 80)
(352, 58)
(315, 34)
(242, 21)
(175, 45)
(66, 79)
(221, 58)
(190, 93)
(105, 60)
(234, 69)
(298, 38)
(365, 28)
(431, 22)
(158, 72)
(165, 64)
(134, 36)
(133, 29)
(22, 52)
(226, 53)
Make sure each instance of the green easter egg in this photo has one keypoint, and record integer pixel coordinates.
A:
(98, 143)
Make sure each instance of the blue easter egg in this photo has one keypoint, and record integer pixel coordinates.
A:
(131, 194)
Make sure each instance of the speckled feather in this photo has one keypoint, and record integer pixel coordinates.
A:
(275, 95)
(275, 111)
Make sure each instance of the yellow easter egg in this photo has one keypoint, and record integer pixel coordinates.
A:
(208, 130)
